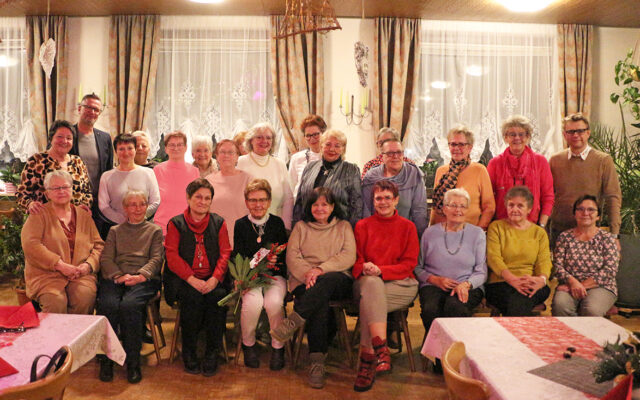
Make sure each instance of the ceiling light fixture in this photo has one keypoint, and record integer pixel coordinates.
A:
(207, 1)
(525, 5)
(304, 16)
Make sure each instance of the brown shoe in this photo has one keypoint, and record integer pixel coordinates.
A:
(367, 373)
(383, 355)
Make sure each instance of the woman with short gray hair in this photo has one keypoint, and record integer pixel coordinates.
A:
(202, 150)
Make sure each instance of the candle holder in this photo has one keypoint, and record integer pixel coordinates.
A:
(354, 118)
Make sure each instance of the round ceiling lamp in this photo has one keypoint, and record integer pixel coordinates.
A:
(525, 5)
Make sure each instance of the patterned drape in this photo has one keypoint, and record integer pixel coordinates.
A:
(575, 58)
(133, 63)
(396, 66)
(46, 96)
(297, 74)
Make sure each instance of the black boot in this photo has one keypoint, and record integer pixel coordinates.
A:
(277, 359)
(251, 359)
(106, 368)
(134, 374)
(210, 364)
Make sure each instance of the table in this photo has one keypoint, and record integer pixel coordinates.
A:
(86, 335)
(500, 351)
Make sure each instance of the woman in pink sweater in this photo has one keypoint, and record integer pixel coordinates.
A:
(387, 252)
(173, 177)
(519, 165)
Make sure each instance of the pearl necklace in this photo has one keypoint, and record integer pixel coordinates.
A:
(453, 253)
(256, 161)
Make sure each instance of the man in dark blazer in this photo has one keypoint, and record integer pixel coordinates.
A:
(94, 148)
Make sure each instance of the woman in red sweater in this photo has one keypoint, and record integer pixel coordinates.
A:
(197, 248)
(387, 252)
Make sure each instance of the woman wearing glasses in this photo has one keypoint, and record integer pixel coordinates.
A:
(462, 173)
(261, 163)
(173, 177)
(519, 165)
(453, 267)
(312, 127)
(586, 261)
(343, 178)
(408, 178)
(253, 232)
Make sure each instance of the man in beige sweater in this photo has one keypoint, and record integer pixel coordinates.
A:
(581, 170)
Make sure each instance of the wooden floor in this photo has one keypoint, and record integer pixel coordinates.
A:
(168, 381)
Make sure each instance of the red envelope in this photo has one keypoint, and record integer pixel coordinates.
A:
(6, 368)
(16, 316)
(621, 391)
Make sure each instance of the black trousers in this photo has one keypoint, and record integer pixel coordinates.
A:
(201, 312)
(436, 303)
(124, 307)
(512, 303)
(313, 305)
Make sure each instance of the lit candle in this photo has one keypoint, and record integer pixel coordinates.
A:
(346, 110)
(362, 100)
(340, 97)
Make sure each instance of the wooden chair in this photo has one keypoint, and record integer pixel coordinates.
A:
(459, 386)
(51, 387)
(155, 324)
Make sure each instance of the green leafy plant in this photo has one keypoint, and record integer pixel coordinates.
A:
(11, 172)
(625, 152)
(626, 74)
(429, 167)
(618, 359)
(11, 254)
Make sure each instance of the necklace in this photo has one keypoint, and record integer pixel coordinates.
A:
(259, 231)
(256, 161)
(453, 253)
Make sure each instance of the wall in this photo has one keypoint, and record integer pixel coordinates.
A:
(610, 45)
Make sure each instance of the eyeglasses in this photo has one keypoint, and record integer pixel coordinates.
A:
(265, 138)
(383, 198)
(457, 206)
(334, 146)
(572, 132)
(226, 153)
(59, 188)
(94, 109)
(397, 154)
(258, 201)
(175, 145)
(458, 145)
(516, 134)
(312, 135)
(586, 210)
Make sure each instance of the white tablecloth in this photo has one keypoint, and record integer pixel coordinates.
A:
(501, 360)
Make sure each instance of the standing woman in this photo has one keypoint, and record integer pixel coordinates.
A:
(201, 150)
(197, 249)
(31, 192)
(253, 232)
(116, 182)
(343, 178)
(261, 163)
(519, 259)
(229, 183)
(312, 127)
(388, 248)
(519, 165)
(142, 150)
(173, 176)
(462, 173)
(61, 251)
(586, 261)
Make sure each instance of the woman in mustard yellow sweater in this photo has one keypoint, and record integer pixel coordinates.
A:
(518, 256)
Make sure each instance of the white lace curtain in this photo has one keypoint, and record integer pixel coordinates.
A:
(478, 74)
(16, 129)
(213, 77)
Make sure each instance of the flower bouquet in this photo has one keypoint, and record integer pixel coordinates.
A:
(618, 360)
(249, 273)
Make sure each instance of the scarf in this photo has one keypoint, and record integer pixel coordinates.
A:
(448, 181)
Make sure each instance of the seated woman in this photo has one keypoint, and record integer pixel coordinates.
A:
(586, 261)
(197, 249)
(388, 251)
(518, 256)
(320, 254)
(253, 232)
(130, 266)
(453, 266)
(61, 250)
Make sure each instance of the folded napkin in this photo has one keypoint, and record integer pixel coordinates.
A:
(6, 368)
(621, 391)
(17, 316)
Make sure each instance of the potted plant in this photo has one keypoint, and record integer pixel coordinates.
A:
(429, 170)
(11, 254)
(10, 176)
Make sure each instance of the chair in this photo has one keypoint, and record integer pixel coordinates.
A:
(155, 323)
(176, 333)
(51, 387)
(459, 386)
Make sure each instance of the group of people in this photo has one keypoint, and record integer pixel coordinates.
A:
(349, 236)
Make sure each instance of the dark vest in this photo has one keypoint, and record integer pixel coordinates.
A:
(187, 247)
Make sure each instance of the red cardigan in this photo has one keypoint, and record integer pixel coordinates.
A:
(390, 243)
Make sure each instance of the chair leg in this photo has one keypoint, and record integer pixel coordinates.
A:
(158, 321)
(341, 323)
(154, 334)
(174, 339)
(407, 337)
(296, 350)
(224, 348)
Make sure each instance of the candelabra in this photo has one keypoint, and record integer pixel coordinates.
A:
(354, 117)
